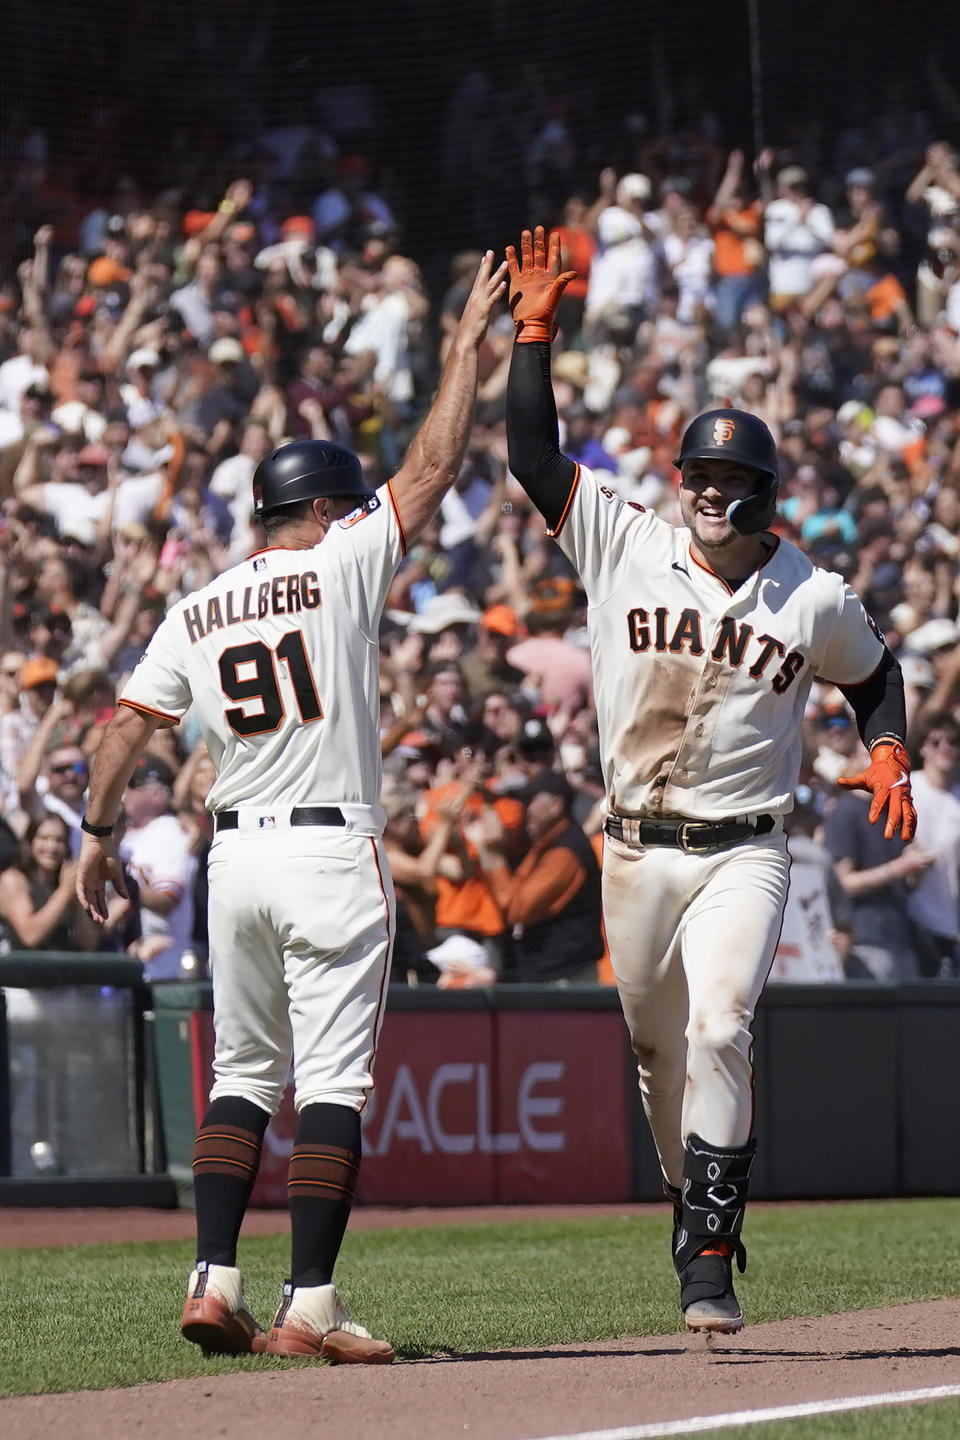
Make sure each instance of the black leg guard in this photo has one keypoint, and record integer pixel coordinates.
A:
(707, 1232)
(675, 1197)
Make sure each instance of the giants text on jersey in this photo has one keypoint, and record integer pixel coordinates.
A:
(701, 689)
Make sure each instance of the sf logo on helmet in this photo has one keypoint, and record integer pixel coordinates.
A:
(723, 431)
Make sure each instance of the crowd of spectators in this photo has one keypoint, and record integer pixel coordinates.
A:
(153, 349)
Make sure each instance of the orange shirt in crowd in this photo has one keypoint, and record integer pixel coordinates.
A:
(577, 247)
(730, 253)
(886, 298)
(469, 904)
(542, 885)
(604, 968)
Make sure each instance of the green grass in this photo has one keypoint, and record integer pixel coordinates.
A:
(936, 1421)
(98, 1316)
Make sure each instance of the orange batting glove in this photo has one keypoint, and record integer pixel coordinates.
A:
(888, 776)
(536, 285)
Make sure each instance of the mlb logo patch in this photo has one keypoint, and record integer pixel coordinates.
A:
(361, 513)
(267, 822)
(260, 563)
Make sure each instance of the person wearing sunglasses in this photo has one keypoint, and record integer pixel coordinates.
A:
(59, 791)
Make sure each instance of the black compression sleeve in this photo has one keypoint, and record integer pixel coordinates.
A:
(533, 434)
(878, 703)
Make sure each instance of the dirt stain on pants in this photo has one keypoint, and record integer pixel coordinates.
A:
(691, 940)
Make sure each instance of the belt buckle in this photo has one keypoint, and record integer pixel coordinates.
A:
(688, 846)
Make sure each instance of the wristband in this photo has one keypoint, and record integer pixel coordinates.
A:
(529, 332)
(100, 832)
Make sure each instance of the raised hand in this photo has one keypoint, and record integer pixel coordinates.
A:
(607, 183)
(536, 285)
(487, 290)
(239, 193)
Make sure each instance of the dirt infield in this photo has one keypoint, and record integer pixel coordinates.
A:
(515, 1395)
(509, 1395)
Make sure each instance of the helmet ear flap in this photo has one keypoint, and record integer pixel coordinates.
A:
(755, 512)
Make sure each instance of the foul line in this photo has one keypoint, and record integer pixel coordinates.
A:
(700, 1424)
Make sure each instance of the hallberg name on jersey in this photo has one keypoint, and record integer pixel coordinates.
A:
(283, 595)
(732, 642)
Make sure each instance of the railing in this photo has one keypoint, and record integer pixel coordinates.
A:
(78, 1119)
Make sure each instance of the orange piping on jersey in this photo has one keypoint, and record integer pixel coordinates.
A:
(566, 508)
(766, 559)
(711, 572)
(386, 970)
(146, 710)
(396, 515)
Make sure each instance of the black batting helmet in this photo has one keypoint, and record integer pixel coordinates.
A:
(306, 470)
(737, 435)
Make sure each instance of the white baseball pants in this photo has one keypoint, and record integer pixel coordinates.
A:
(301, 928)
(692, 939)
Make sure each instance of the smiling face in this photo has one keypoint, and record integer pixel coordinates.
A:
(707, 488)
(50, 846)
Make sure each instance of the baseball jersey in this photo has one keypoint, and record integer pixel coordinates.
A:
(280, 657)
(158, 854)
(700, 690)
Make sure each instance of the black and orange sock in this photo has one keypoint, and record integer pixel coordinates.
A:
(322, 1182)
(226, 1157)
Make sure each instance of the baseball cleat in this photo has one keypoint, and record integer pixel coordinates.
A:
(313, 1321)
(707, 1295)
(719, 1317)
(215, 1316)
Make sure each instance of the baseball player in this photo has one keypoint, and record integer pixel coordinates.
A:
(705, 640)
(279, 657)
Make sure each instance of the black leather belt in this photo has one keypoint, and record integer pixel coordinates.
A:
(694, 836)
(299, 815)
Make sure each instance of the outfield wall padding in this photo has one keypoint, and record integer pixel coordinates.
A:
(514, 1094)
(528, 1094)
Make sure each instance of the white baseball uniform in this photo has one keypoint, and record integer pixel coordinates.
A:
(280, 658)
(700, 695)
(158, 854)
